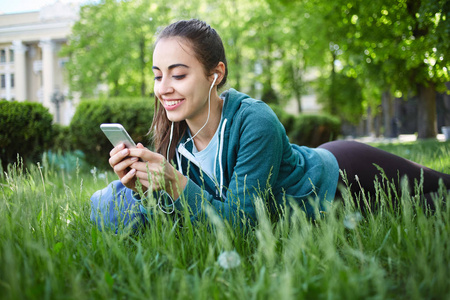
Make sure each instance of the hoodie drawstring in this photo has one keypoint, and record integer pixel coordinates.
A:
(222, 132)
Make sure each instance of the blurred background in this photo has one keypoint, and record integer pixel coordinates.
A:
(380, 67)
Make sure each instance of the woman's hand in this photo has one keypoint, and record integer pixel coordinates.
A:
(121, 163)
(153, 170)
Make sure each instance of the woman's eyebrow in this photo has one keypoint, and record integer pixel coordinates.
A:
(172, 66)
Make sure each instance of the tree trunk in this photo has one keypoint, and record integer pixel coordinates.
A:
(387, 103)
(427, 121)
(116, 91)
(332, 95)
(142, 60)
(447, 106)
(297, 85)
(298, 99)
(237, 63)
(369, 128)
(378, 122)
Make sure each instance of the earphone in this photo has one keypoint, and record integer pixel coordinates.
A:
(182, 145)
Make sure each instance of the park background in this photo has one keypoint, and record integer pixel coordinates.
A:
(370, 60)
(359, 58)
(381, 68)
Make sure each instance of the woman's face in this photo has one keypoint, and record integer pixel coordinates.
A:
(180, 81)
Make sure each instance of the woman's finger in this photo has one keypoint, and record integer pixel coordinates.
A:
(129, 179)
(124, 165)
(116, 149)
(118, 157)
(146, 155)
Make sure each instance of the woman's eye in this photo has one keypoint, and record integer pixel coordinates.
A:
(158, 78)
(178, 76)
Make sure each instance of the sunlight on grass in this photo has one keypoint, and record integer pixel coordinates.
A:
(50, 249)
(435, 155)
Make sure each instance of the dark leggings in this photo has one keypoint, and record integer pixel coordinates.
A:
(360, 159)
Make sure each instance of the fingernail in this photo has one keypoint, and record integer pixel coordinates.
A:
(134, 159)
(132, 171)
(124, 151)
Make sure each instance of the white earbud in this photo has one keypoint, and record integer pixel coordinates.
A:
(215, 78)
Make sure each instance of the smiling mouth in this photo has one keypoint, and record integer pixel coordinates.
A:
(172, 102)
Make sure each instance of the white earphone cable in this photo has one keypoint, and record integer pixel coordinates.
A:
(209, 109)
(170, 141)
(162, 193)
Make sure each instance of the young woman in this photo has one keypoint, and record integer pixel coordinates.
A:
(230, 149)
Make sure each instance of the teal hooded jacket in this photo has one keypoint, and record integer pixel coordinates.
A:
(255, 159)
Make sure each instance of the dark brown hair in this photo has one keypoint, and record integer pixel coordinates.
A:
(209, 51)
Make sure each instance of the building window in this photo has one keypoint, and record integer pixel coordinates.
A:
(12, 80)
(2, 56)
(3, 81)
(11, 55)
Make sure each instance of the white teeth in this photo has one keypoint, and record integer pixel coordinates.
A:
(172, 103)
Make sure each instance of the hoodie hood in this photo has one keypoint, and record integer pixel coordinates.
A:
(185, 159)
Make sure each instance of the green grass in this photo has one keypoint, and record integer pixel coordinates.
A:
(49, 249)
(435, 155)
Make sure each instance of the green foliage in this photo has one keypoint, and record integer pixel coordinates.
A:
(62, 139)
(135, 114)
(314, 130)
(341, 96)
(49, 249)
(272, 47)
(110, 45)
(25, 130)
(391, 46)
(309, 130)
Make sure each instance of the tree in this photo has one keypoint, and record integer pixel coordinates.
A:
(386, 47)
(110, 45)
(295, 41)
(404, 43)
(233, 25)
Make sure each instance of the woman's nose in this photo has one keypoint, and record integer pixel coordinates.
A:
(165, 86)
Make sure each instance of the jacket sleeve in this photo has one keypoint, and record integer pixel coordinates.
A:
(255, 164)
(114, 208)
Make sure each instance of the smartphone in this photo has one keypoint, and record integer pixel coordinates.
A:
(117, 134)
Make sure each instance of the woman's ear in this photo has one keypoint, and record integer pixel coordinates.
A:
(220, 71)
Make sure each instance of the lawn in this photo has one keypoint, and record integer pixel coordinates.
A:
(49, 249)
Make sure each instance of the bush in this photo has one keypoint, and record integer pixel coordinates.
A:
(314, 130)
(25, 130)
(308, 130)
(62, 139)
(135, 114)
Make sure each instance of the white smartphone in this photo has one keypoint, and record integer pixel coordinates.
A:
(117, 134)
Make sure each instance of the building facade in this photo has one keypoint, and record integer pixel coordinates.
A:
(30, 67)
